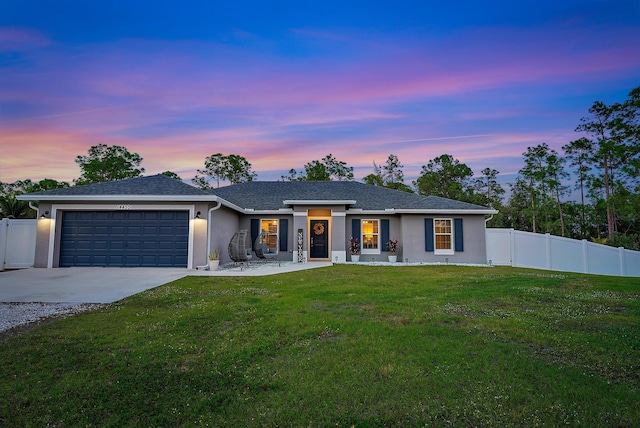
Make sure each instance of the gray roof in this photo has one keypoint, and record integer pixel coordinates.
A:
(258, 195)
(151, 185)
(270, 195)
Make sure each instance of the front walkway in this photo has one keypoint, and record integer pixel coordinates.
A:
(271, 267)
(107, 285)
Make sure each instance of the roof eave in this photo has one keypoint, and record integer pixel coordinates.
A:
(482, 211)
(102, 198)
(319, 202)
(458, 211)
(251, 211)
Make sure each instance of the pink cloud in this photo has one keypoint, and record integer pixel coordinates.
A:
(156, 73)
(177, 102)
(14, 39)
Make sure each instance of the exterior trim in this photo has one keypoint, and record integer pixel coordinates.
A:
(360, 211)
(361, 237)
(117, 198)
(319, 202)
(339, 256)
(329, 233)
(102, 207)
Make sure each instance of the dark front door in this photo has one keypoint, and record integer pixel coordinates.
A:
(319, 240)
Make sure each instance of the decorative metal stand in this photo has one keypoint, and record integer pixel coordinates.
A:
(300, 246)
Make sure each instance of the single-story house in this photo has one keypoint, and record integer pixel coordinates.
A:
(161, 221)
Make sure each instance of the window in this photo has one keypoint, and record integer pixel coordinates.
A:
(443, 233)
(370, 237)
(269, 229)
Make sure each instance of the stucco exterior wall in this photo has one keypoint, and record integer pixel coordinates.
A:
(413, 240)
(43, 235)
(224, 223)
(339, 242)
(300, 223)
(395, 232)
(200, 256)
(48, 253)
(245, 223)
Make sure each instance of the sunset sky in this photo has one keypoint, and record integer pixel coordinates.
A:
(284, 83)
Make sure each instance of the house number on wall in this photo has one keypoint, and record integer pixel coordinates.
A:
(123, 207)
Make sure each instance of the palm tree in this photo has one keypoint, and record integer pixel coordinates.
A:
(11, 207)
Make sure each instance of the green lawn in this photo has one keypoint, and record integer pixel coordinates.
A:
(340, 346)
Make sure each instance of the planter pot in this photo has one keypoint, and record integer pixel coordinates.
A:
(213, 264)
(355, 257)
(393, 259)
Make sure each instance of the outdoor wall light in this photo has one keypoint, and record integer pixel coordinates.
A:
(198, 214)
(44, 214)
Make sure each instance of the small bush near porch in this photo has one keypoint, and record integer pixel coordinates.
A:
(341, 346)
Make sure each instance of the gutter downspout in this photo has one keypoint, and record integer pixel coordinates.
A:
(209, 226)
(206, 267)
(34, 208)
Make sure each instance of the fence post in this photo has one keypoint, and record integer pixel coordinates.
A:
(512, 244)
(4, 225)
(585, 257)
(547, 239)
(621, 254)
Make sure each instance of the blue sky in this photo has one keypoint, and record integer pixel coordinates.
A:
(284, 83)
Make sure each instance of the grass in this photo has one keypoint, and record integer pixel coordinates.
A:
(340, 346)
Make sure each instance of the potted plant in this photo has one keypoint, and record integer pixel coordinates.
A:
(354, 247)
(214, 259)
(392, 247)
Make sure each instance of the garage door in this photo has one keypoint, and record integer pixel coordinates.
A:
(124, 238)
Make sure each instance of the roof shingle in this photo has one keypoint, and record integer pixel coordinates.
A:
(263, 195)
(151, 185)
(270, 195)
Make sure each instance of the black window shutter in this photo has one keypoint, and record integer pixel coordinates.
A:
(457, 233)
(284, 234)
(355, 228)
(385, 234)
(255, 231)
(428, 234)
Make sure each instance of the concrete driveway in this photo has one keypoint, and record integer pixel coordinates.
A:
(82, 285)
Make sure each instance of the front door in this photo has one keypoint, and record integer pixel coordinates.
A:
(319, 240)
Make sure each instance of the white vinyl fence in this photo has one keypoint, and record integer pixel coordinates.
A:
(505, 247)
(509, 247)
(17, 243)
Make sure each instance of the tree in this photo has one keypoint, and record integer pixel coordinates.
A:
(293, 176)
(215, 166)
(486, 189)
(239, 170)
(329, 168)
(445, 176)
(614, 133)
(373, 179)
(389, 175)
(108, 163)
(11, 207)
(172, 174)
(316, 171)
(543, 171)
(336, 169)
(391, 171)
(233, 168)
(518, 212)
(555, 175)
(578, 152)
